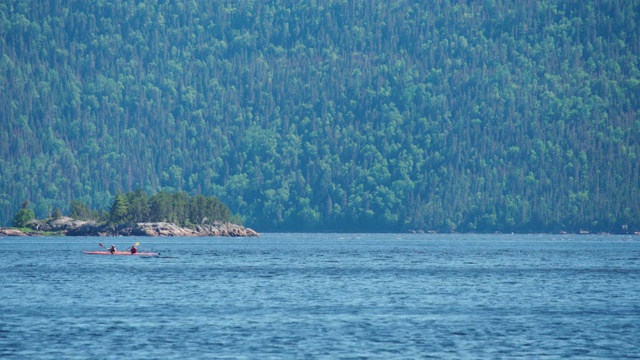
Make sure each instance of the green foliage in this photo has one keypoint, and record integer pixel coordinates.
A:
(355, 115)
(81, 211)
(178, 208)
(23, 216)
(138, 209)
(57, 213)
(119, 210)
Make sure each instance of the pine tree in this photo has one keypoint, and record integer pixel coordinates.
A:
(80, 210)
(57, 213)
(119, 208)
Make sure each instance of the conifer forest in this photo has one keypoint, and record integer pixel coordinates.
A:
(333, 115)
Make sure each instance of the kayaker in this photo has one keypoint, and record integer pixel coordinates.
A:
(112, 249)
(134, 249)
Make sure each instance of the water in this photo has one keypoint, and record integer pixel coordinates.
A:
(323, 296)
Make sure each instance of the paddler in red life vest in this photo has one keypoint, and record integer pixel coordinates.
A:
(134, 249)
(112, 249)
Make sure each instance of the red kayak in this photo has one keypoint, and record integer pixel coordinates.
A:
(121, 253)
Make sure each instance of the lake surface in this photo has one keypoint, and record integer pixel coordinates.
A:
(322, 296)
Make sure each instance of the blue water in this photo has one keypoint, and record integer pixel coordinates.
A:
(323, 296)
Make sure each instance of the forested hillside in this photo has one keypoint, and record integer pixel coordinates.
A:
(347, 115)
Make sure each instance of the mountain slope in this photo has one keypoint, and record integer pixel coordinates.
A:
(337, 115)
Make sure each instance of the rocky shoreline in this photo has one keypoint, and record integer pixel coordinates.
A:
(11, 232)
(66, 226)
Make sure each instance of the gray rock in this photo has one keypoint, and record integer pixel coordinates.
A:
(55, 225)
(161, 229)
(11, 232)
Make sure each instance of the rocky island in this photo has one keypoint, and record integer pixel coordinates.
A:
(66, 226)
(135, 214)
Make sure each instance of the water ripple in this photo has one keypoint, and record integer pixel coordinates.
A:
(323, 296)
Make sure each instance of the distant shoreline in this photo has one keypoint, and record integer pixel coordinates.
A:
(230, 230)
(66, 226)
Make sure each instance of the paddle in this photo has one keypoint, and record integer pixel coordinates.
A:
(104, 247)
(134, 248)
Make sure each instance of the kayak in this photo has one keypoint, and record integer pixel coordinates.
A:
(121, 253)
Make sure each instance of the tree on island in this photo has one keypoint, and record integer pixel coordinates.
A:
(24, 215)
(178, 208)
(138, 210)
(119, 209)
(81, 211)
(57, 213)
